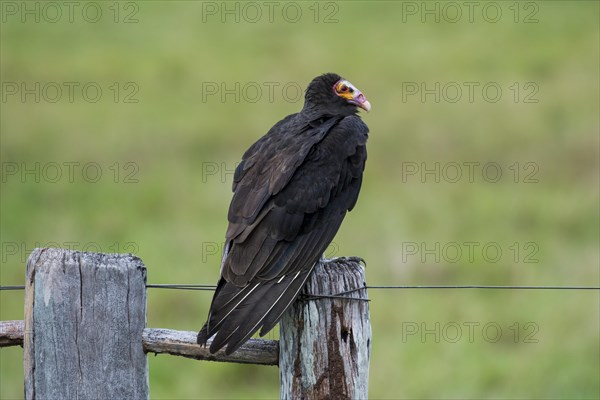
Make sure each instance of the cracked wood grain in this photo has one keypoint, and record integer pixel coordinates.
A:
(172, 342)
(325, 344)
(84, 318)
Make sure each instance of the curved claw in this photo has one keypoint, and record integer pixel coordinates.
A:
(346, 260)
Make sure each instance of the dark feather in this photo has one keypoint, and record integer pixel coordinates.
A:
(291, 192)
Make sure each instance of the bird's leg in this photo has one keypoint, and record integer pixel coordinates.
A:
(338, 260)
(343, 260)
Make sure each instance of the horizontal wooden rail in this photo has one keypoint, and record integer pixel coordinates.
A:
(183, 343)
(177, 343)
(11, 333)
(84, 331)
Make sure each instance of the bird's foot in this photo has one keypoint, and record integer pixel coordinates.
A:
(345, 260)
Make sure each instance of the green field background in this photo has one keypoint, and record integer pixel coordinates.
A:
(166, 149)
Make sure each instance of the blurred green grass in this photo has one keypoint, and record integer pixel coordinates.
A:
(174, 215)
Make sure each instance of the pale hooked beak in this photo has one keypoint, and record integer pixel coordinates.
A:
(361, 101)
(351, 94)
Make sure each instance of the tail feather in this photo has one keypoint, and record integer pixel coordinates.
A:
(283, 304)
(226, 298)
(238, 312)
(278, 301)
(254, 306)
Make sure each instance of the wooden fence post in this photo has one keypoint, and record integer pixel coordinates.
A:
(325, 343)
(84, 317)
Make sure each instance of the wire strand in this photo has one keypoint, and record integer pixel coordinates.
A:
(496, 287)
(487, 287)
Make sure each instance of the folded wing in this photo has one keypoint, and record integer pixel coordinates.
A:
(291, 193)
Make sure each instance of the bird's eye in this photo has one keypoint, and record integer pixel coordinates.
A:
(344, 88)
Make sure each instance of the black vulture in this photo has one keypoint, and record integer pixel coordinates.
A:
(291, 192)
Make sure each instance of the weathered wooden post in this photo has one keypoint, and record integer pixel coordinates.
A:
(84, 317)
(325, 343)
